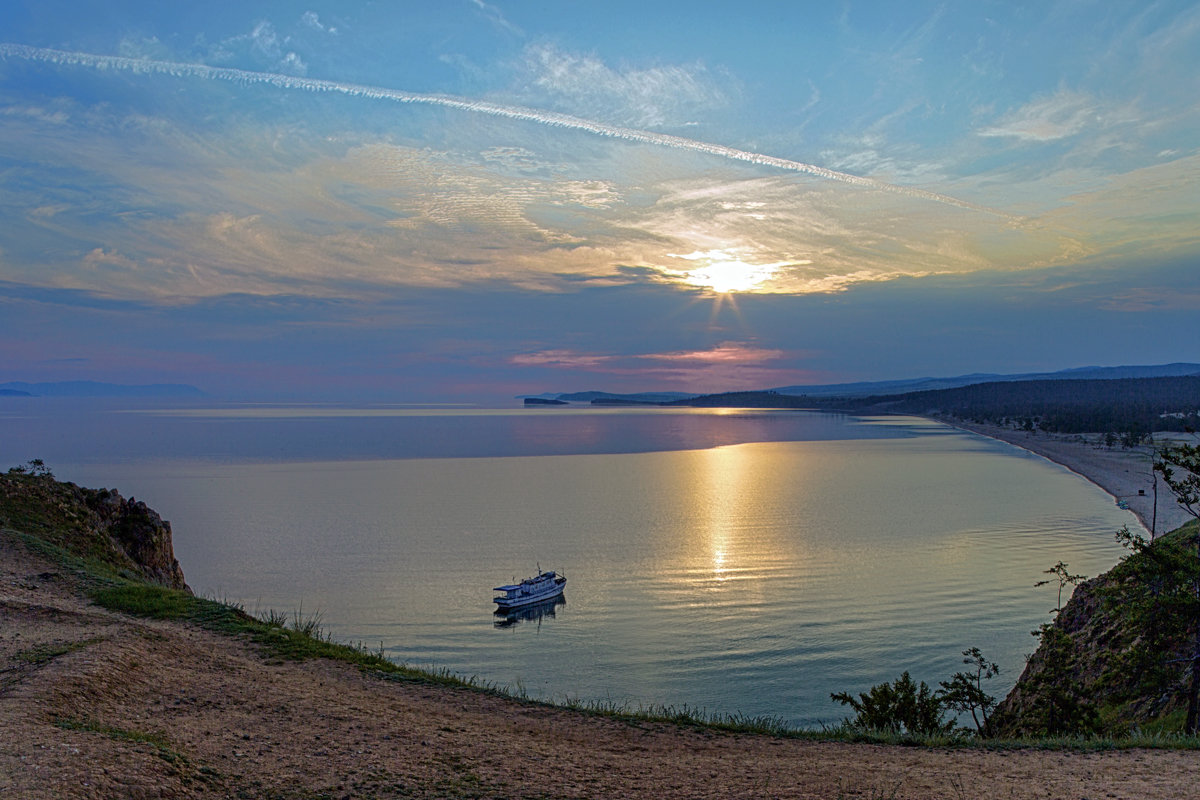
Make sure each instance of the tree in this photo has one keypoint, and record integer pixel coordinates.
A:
(964, 691)
(901, 706)
(1155, 594)
(1179, 465)
(1064, 579)
(34, 467)
(1057, 706)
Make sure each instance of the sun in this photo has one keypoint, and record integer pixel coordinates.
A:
(726, 277)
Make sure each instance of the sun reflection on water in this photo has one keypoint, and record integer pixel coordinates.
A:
(727, 493)
(719, 570)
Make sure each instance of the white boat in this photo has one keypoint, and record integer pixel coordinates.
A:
(545, 586)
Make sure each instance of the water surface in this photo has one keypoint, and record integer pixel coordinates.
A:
(743, 563)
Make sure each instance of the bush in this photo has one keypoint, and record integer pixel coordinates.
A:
(899, 707)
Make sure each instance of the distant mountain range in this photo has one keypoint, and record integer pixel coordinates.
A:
(880, 388)
(603, 398)
(869, 389)
(97, 389)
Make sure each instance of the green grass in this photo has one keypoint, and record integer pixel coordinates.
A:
(145, 600)
(88, 567)
(298, 639)
(45, 653)
(678, 715)
(157, 740)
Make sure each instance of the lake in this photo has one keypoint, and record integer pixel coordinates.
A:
(744, 562)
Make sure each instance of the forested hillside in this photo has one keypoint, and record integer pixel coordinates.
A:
(1139, 405)
(1129, 405)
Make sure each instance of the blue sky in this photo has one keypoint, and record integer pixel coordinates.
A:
(447, 202)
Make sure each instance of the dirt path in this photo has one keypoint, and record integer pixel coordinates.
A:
(97, 705)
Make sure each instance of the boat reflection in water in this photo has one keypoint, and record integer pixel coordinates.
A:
(530, 613)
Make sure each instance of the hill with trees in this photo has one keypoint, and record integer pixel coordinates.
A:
(1126, 405)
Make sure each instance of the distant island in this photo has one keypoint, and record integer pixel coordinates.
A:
(97, 389)
(606, 398)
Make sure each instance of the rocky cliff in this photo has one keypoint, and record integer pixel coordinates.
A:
(96, 524)
(1110, 662)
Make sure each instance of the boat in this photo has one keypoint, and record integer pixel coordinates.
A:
(543, 587)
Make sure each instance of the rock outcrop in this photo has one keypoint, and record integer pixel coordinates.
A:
(98, 524)
(140, 533)
(1095, 669)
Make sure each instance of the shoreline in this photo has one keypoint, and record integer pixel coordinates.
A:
(1119, 472)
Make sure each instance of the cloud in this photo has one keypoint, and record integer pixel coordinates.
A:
(496, 16)
(654, 97)
(263, 47)
(101, 257)
(870, 153)
(345, 214)
(39, 113)
(548, 118)
(1058, 116)
(310, 19)
(143, 47)
(567, 359)
(725, 366)
(1152, 299)
(724, 353)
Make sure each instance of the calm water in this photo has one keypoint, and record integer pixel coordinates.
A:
(750, 562)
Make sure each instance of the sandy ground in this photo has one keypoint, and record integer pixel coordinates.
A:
(1120, 472)
(99, 705)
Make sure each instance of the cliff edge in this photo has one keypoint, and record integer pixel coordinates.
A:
(1117, 655)
(97, 524)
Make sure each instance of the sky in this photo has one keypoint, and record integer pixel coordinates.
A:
(466, 201)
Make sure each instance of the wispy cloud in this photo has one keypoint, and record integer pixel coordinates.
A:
(729, 353)
(263, 46)
(548, 118)
(724, 353)
(725, 366)
(311, 19)
(651, 97)
(1058, 116)
(497, 18)
(567, 359)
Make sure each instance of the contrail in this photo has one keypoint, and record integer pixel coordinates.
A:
(550, 118)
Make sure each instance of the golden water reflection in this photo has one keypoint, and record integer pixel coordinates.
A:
(732, 489)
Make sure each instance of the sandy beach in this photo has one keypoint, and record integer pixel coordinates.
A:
(1122, 472)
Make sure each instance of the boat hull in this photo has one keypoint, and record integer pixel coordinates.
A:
(509, 605)
(546, 586)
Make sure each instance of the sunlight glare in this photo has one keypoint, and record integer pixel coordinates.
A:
(724, 271)
(731, 276)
